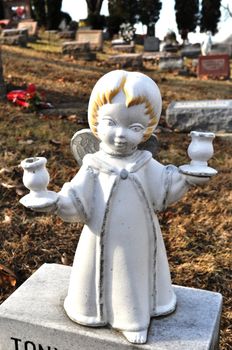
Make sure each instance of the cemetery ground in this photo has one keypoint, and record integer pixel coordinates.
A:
(197, 230)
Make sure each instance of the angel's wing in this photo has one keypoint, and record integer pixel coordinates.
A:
(82, 143)
(151, 145)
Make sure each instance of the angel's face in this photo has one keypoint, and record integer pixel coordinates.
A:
(120, 128)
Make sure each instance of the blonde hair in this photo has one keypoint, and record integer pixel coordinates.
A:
(137, 88)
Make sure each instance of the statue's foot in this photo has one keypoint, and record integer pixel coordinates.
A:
(136, 337)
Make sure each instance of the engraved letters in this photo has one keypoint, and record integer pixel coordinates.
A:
(29, 345)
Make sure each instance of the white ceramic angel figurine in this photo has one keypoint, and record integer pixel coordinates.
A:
(120, 275)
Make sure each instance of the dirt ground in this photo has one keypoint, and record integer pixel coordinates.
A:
(197, 230)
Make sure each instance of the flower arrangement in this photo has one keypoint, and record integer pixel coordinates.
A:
(29, 98)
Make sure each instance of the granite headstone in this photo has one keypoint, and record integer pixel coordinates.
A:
(151, 43)
(191, 51)
(210, 115)
(126, 60)
(170, 63)
(214, 66)
(222, 48)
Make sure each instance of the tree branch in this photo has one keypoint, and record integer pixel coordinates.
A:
(228, 10)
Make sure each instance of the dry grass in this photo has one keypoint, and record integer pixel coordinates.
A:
(197, 230)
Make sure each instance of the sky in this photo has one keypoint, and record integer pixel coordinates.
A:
(78, 10)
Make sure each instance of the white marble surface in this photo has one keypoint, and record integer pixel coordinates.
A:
(33, 318)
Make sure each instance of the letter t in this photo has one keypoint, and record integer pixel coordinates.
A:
(16, 340)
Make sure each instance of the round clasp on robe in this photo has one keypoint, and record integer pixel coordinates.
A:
(124, 174)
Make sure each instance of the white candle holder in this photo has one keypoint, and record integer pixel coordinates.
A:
(36, 179)
(200, 151)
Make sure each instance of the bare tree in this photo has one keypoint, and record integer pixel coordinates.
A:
(228, 10)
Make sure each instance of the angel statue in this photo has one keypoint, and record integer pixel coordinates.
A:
(206, 45)
(120, 275)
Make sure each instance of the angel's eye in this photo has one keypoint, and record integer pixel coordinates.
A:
(107, 121)
(136, 127)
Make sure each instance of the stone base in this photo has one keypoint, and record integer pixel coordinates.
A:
(79, 51)
(70, 47)
(67, 34)
(191, 51)
(124, 48)
(126, 60)
(15, 40)
(33, 318)
(170, 63)
(14, 32)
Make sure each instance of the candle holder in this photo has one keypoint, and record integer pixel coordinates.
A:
(36, 179)
(200, 151)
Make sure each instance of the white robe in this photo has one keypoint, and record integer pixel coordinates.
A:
(120, 275)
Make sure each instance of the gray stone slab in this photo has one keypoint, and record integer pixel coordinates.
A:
(221, 49)
(191, 51)
(210, 115)
(126, 60)
(171, 63)
(13, 32)
(20, 40)
(79, 51)
(67, 34)
(156, 56)
(33, 318)
(151, 43)
(124, 48)
(70, 47)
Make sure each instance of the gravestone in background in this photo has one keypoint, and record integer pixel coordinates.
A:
(171, 63)
(191, 51)
(79, 51)
(205, 115)
(93, 37)
(221, 48)
(31, 26)
(214, 66)
(128, 48)
(151, 43)
(14, 37)
(127, 60)
(86, 42)
(224, 47)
